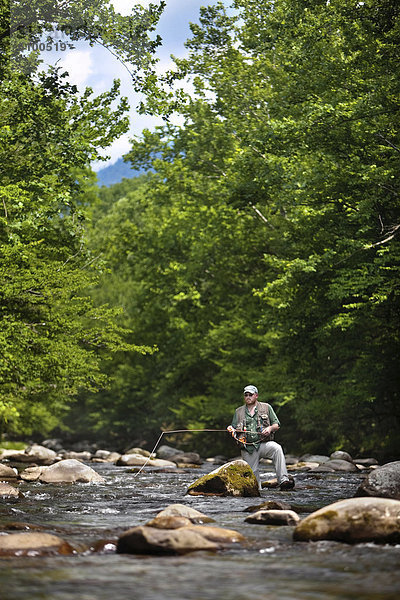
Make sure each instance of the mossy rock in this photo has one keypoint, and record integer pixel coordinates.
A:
(231, 479)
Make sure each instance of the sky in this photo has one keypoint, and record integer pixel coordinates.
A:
(97, 67)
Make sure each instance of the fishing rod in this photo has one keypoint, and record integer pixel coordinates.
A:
(171, 431)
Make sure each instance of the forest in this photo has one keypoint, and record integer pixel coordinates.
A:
(261, 245)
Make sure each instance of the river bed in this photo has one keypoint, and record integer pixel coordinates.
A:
(269, 566)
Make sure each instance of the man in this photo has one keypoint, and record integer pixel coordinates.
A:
(254, 425)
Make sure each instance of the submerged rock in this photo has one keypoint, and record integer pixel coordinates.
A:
(232, 479)
(354, 520)
(33, 544)
(383, 482)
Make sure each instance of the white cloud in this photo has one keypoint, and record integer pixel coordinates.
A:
(79, 64)
(124, 7)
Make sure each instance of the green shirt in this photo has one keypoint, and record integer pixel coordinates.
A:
(252, 435)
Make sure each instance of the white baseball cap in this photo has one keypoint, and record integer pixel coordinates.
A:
(250, 388)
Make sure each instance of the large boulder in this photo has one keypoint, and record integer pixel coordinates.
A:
(65, 471)
(32, 544)
(383, 482)
(232, 479)
(354, 520)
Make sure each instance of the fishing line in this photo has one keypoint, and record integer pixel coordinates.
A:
(178, 431)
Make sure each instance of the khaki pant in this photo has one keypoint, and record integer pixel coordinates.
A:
(270, 450)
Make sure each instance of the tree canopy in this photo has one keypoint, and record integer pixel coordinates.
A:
(52, 336)
(264, 247)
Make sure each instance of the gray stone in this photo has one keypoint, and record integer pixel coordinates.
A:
(273, 517)
(181, 510)
(323, 469)
(383, 482)
(340, 455)
(166, 452)
(340, 465)
(31, 473)
(150, 540)
(137, 460)
(356, 520)
(314, 458)
(183, 458)
(69, 471)
(140, 451)
(82, 456)
(269, 505)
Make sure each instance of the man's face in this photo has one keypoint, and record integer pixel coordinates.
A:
(250, 399)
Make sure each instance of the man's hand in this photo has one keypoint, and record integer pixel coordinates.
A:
(267, 431)
(230, 429)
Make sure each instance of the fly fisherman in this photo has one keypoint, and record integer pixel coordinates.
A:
(253, 426)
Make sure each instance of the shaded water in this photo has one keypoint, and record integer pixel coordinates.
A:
(270, 566)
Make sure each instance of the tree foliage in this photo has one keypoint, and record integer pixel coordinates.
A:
(53, 336)
(265, 246)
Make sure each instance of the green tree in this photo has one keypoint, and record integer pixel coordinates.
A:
(53, 337)
(294, 119)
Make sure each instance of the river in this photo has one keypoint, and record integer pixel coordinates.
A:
(269, 566)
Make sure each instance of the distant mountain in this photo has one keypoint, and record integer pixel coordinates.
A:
(116, 173)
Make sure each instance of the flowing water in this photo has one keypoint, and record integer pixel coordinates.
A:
(269, 566)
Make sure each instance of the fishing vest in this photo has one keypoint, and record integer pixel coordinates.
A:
(262, 420)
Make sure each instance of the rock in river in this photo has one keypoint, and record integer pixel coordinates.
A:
(232, 479)
(355, 520)
(274, 517)
(32, 544)
(383, 482)
(180, 510)
(65, 471)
